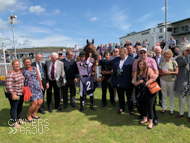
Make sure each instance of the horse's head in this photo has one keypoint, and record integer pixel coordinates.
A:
(90, 48)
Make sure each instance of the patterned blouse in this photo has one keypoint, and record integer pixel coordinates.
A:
(14, 82)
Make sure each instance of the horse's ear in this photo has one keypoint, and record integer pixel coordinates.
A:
(92, 41)
(87, 41)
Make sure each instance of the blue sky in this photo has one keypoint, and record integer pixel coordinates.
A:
(69, 22)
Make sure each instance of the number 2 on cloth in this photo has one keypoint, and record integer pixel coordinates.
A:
(88, 85)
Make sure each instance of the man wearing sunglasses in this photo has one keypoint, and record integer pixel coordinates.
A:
(115, 53)
(151, 63)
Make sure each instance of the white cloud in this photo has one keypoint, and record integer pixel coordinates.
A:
(48, 22)
(121, 18)
(34, 29)
(7, 4)
(163, 9)
(56, 11)
(21, 6)
(37, 9)
(145, 17)
(93, 19)
(124, 26)
(53, 40)
(116, 18)
(3, 24)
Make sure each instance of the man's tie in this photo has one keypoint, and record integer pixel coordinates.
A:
(41, 71)
(52, 71)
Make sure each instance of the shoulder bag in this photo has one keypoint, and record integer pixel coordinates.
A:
(26, 91)
(153, 87)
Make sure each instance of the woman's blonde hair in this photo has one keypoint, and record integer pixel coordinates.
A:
(168, 52)
(16, 60)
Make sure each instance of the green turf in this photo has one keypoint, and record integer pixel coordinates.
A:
(103, 125)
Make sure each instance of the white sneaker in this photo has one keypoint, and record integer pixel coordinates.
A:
(16, 125)
(20, 121)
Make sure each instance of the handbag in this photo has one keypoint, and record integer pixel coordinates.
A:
(26, 91)
(7, 95)
(153, 87)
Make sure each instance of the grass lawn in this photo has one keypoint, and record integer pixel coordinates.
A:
(103, 125)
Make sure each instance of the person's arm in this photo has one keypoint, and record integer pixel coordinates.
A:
(154, 68)
(108, 72)
(133, 73)
(38, 77)
(104, 61)
(152, 76)
(134, 67)
(175, 72)
(175, 66)
(161, 72)
(135, 80)
(9, 85)
(45, 71)
(63, 73)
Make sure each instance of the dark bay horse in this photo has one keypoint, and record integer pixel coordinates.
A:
(90, 48)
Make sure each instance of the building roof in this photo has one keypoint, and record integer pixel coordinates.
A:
(181, 20)
(135, 33)
(160, 24)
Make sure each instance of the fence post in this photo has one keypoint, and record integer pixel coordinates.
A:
(5, 60)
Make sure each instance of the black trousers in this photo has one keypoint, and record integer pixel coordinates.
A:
(16, 106)
(140, 104)
(71, 85)
(120, 92)
(159, 92)
(148, 104)
(44, 85)
(106, 85)
(52, 84)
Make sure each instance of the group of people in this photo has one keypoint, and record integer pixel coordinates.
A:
(123, 71)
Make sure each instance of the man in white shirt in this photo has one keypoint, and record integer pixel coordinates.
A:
(76, 48)
(159, 59)
(121, 77)
(56, 79)
(172, 44)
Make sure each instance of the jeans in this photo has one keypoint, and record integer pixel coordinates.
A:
(16, 105)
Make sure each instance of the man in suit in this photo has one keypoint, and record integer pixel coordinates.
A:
(121, 77)
(71, 70)
(138, 47)
(133, 55)
(43, 75)
(159, 59)
(56, 79)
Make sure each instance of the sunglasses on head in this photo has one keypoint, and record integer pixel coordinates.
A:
(142, 53)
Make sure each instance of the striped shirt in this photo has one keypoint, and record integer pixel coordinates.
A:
(14, 82)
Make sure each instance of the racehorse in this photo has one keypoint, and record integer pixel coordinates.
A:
(90, 48)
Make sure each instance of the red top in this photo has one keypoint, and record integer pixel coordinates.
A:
(14, 82)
